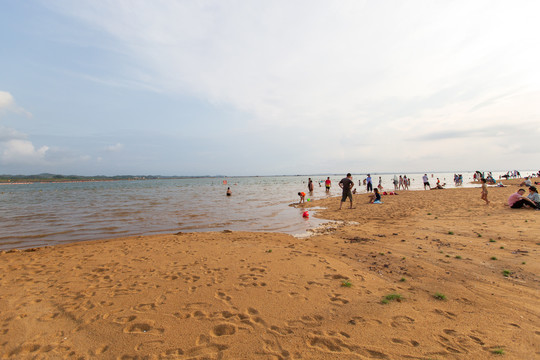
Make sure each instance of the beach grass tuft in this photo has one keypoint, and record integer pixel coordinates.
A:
(439, 296)
(498, 351)
(506, 273)
(458, 256)
(391, 297)
(493, 258)
(450, 233)
(491, 240)
(346, 283)
(402, 279)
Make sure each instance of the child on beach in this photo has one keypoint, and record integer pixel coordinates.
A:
(375, 198)
(302, 197)
(484, 191)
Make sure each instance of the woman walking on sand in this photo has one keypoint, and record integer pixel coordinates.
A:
(484, 191)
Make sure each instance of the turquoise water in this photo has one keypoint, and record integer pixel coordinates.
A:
(43, 214)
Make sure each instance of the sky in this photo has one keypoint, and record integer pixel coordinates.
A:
(192, 88)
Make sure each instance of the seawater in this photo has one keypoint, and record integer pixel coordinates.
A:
(41, 214)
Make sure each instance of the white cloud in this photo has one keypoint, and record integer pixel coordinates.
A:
(115, 147)
(379, 79)
(7, 103)
(306, 62)
(6, 100)
(14, 146)
(18, 151)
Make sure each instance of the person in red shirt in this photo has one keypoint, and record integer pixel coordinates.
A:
(328, 183)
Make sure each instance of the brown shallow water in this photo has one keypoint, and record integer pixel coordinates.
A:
(43, 214)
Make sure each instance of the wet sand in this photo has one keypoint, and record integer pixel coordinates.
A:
(463, 275)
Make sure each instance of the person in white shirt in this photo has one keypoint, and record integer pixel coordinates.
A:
(426, 182)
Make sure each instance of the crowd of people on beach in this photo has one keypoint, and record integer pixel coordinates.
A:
(516, 200)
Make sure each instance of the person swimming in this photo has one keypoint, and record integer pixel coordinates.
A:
(229, 192)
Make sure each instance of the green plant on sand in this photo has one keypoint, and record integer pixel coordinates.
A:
(391, 297)
(439, 296)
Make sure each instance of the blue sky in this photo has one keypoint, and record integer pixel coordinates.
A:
(262, 88)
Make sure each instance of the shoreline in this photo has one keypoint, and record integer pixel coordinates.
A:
(459, 278)
(324, 221)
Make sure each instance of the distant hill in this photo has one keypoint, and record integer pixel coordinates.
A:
(46, 177)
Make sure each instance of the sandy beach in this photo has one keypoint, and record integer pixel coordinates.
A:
(425, 275)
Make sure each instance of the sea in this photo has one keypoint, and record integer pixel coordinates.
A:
(44, 214)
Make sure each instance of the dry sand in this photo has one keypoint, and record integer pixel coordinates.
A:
(235, 295)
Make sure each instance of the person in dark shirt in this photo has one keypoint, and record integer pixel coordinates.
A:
(346, 184)
(376, 196)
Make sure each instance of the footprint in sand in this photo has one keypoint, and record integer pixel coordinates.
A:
(306, 320)
(446, 314)
(360, 320)
(337, 345)
(223, 297)
(147, 345)
(124, 319)
(274, 349)
(172, 353)
(336, 299)
(401, 321)
(143, 328)
(280, 331)
(477, 340)
(99, 351)
(224, 329)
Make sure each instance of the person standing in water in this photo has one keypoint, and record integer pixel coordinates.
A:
(229, 192)
(328, 183)
(310, 185)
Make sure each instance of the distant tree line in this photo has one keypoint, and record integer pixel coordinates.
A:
(56, 177)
